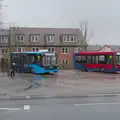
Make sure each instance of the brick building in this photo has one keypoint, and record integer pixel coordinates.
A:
(64, 41)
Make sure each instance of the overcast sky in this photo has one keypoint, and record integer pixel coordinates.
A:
(103, 16)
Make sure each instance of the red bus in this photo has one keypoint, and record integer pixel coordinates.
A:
(97, 61)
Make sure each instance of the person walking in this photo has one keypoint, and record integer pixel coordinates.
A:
(13, 69)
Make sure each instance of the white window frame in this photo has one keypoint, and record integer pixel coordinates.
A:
(22, 49)
(50, 38)
(75, 38)
(67, 38)
(65, 50)
(65, 62)
(35, 37)
(20, 36)
(50, 49)
(4, 39)
(35, 49)
(4, 49)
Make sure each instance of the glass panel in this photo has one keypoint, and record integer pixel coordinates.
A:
(66, 50)
(37, 49)
(33, 49)
(118, 59)
(53, 50)
(49, 49)
(49, 60)
(19, 49)
(15, 59)
(89, 59)
(62, 50)
(6, 50)
(27, 60)
(2, 50)
(101, 58)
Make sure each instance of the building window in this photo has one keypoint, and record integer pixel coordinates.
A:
(34, 38)
(49, 38)
(20, 49)
(65, 50)
(65, 62)
(20, 38)
(4, 50)
(35, 49)
(51, 49)
(4, 39)
(69, 38)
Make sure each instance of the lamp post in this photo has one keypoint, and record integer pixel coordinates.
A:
(9, 50)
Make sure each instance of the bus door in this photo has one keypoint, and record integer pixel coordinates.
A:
(84, 62)
(17, 59)
(27, 60)
(109, 62)
(21, 64)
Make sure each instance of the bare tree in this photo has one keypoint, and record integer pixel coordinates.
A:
(86, 34)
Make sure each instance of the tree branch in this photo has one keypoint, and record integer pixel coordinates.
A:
(85, 32)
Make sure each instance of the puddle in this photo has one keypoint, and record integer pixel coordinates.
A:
(36, 82)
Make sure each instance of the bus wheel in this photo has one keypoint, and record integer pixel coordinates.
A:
(102, 70)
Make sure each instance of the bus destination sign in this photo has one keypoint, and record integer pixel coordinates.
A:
(49, 54)
(118, 53)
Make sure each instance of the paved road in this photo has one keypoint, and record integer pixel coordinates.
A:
(105, 108)
(65, 83)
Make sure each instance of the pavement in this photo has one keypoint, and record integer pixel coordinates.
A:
(67, 83)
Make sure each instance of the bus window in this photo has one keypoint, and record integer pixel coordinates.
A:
(26, 59)
(38, 59)
(101, 59)
(97, 59)
(46, 60)
(32, 59)
(93, 59)
(118, 59)
(89, 59)
(53, 60)
(78, 59)
(29, 59)
(81, 59)
(109, 59)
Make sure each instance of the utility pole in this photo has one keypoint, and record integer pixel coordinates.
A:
(9, 50)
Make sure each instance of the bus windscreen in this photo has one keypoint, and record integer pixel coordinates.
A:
(49, 59)
(118, 58)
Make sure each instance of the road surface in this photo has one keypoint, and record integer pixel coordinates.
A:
(98, 108)
(65, 83)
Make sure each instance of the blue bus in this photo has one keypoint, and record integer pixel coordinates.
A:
(40, 62)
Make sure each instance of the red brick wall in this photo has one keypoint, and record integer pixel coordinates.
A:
(68, 56)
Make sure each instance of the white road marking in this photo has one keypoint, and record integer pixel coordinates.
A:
(9, 108)
(27, 97)
(26, 107)
(95, 104)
